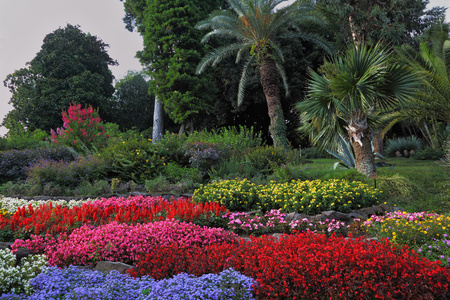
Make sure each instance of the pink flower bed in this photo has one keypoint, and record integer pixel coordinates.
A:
(139, 201)
(122, 242)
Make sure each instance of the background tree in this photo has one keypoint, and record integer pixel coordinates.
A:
(253, 28)
(172, 50)
(132, 105)
(70, 67)
(361, 81)
(395, 22)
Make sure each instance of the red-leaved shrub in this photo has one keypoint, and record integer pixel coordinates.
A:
(308, 266)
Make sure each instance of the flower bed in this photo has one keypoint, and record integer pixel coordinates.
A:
(308, 197)
(75, 283)
(309, 266)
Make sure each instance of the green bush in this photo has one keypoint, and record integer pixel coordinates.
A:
(401, 144)
(308, 197)
(229, 138)
(67, 174)
(175, 173)
(19, 138)
(134, 158)
(314, 152)
(234, 168)
(429, 154)
(267, 157)
(345, 174)
(87, 189)
(396, 186)
(14, 163)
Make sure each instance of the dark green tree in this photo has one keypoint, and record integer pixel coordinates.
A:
(71, 67)
(395, 22)
(132, 105)
(172, 50)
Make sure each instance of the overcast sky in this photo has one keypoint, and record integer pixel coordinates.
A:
(25, 23)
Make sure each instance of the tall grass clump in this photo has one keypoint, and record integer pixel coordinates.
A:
(402, 144)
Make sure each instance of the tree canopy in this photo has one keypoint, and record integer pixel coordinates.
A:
(71, 67)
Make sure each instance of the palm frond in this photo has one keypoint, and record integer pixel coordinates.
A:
(243, 81)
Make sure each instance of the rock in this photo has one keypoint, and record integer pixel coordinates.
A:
(5, 245)
(405, 153)
(277, 235)
(106, 266)
(412, 153)
(254, 212)
(398, 154)
(368, 211)
(354, 215)
(21, 253)
(293, 216)
(331, 214)
(378, 210)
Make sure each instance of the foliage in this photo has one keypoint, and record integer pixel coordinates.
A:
(71, 283)
(132, 105)
(71, 66)
(310, 265)
(14, 163)
(134, 158)
(229, 138)
(82, 129)
(429, 154)
(19, 138)
(412, 229)
(67, 174)
(88, 189)
(308, 197)
(402, 144)
(396, 186)
(395, 22)
(252, 31)
(265, 158)
(172, 49)
(314, 152)
(203, 155)
(14, 278)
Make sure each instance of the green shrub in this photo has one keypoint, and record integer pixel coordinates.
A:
(401, 144)
(67, 174)
(234, 168)
(309, 197)
(134, 158)
(228, 138)
(14, 163)
(175, 173)
(19, 138)
(161, 184)
(87, 189)
(345, 174)
(429, 154)
(268, 157)
(286, 173)
(395, 186)
(314, 152)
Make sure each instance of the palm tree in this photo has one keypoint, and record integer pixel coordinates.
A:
(433, 101)
(254, 26)
(359, 85)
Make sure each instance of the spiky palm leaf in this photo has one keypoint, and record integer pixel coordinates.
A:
(255, 24)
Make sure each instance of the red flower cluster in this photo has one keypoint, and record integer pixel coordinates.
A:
(308, 266)
(47, 219)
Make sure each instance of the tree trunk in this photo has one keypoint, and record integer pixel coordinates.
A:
(378, 142)
(270, 82)
(360, 135)
(158, 121)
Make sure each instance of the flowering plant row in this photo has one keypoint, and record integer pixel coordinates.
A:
(309, 266)
(11, 205)
(274, 221)
(121, 242)
(308, 197)
(47, 219)
(72, 283)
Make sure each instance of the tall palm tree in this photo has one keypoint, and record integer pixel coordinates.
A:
(254, 26)
(361, 82)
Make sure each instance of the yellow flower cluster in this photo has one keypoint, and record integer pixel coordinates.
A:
(296, 196)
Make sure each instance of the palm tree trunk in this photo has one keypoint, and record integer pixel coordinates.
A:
(361, 136)
(270, 82)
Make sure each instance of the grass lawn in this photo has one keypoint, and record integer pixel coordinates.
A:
(414, 185)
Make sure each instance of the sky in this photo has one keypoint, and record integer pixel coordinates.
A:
(25, 23)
